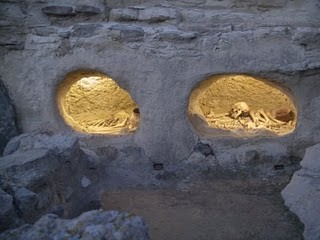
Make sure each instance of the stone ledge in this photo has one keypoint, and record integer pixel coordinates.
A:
(85, 30)
(149, 15)
(177, 36)
(63, 11)
(58, 11)
(127, 33)
(126, 14)
(89, 10)
(156, 15)
(262, 5)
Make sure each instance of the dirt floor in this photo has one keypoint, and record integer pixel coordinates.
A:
(238, 208)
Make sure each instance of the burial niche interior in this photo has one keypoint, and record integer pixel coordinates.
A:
(241, 105)
(92, 102)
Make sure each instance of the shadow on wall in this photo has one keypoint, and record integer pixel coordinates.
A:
(241, 105)
(8, 118)
(92, 102)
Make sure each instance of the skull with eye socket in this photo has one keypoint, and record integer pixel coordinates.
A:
(239, 109)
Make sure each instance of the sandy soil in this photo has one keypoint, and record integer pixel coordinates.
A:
(224, 209)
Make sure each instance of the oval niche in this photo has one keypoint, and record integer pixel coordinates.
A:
(92, 102)
(241, 105)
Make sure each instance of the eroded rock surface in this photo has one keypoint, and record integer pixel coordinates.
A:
(302, 195)
(96, 224)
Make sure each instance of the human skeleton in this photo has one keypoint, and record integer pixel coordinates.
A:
(241, 116)
(120, 123)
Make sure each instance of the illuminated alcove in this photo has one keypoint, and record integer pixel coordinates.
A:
(241, 105)
(92, 102)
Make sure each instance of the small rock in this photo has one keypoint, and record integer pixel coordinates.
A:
(108, 152)
(195, 158)
(261, 4)
(87, 9)
(26, 202)
(157, 14)
(44, 31)
(204, 149)
(7, 214)
(57, 210)
(126, 14)
(12, 145)
(178, 36)
(65, 34)
(85, 30)
(44, 198)
(306, 36)
(271, 3)
(58, 11)
(132, 155)
(85, 182)
(91, 158)
(127, 33)
(211, 161)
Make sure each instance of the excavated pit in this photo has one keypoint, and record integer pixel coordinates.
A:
(92, 102)
(242, 105)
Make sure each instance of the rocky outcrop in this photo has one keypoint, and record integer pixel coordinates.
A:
(8, 121)
(46, 173)
(95, 224)
(302, 194)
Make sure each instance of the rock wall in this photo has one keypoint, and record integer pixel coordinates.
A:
(8, 118)
(158, 52)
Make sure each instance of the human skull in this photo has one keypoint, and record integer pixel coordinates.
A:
(239, 109)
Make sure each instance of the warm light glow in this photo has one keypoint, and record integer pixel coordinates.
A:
(243, 105)
(93, 103)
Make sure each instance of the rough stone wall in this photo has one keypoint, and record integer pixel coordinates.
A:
(158, 51)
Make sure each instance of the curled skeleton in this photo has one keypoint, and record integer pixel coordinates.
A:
(241, 115)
